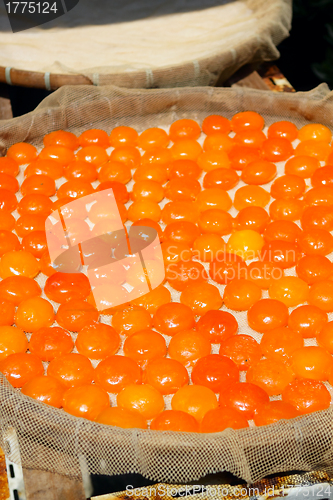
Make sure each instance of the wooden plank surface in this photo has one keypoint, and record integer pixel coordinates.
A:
(4, 490)
(41, 485)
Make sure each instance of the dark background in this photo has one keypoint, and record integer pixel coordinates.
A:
(306, 56)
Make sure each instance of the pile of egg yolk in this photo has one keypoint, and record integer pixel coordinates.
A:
(238, 332)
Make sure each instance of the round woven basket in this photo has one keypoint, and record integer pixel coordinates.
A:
(165, 44)
(50, 439)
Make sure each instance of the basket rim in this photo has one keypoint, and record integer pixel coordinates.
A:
(212, 63)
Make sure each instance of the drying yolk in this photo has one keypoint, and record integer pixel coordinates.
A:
(208, 247)
(18, 263)
(322, 177)
(22, 153)
(307, 320)
(289, 209)
(12, 340)
(307, 396)
(153, 138)
(180, 210)
(173, 420)
(19, 368)
(222, 418)
(94, 137)
(213, 124)
(166, 375)
(280, 343)
(57, 153)
(181, 274)
(290, 290)
(49, 168)
(210, 160)
(284, 129)
(201, 297)
(321, 295)
(241, 294)
(142, 399)
(282, 253)
(311, 362)
(218, 142)
(81, 170)
(223, 178)
(116, 372)
(184, 129)
(302, 166)
(120, 417)
(184, 168)
(115, 171)
(267, 314)
(217, 326)
(186, 149)
(215, 221)
(148, 190)
(97, 341)
(75, 314)
(325, 337)
(50, 342)
(247, 244)
(247, 120)
(45, 389)
(282, 230)
(271, 375)
(243, 350)
(123, 136)
(9, 166)
(172, 318)
(86, 401)
(72, 370)
(61, 138)
(215, 372)
(255, 218)
(273, 411)
(258, 172)
(16, 288)
(288, 187)
(131, 320)
(226, 267)
(315, 148)
(61, 287)
(42, 184)
(251, 195)
(144, 346)
(244, 398)
(188, 346)
(196, 400)
(33, 314)
(95, 155)
(181, 232)
(213, 198)
(254, 138)
(315, 131)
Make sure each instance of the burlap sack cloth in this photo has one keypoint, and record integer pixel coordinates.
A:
(146, 44)
(53, 440)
